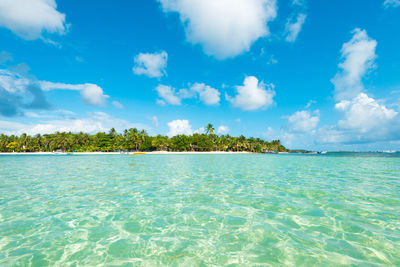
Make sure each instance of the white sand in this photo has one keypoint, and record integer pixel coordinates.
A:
(118, 153)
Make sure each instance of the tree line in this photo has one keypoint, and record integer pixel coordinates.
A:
(134, 140)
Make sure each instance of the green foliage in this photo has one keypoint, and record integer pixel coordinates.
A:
(132, 140)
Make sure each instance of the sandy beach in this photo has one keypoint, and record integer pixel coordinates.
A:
(128, 153)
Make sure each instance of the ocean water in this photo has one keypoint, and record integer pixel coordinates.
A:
(200, 210)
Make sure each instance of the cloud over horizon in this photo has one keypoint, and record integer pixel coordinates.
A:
(94, 122)
(365, 119)
(177, 127)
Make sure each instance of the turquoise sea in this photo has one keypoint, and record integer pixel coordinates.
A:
(200, 210)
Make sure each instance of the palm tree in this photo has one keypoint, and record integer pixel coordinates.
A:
(141, 137)
(112, 132)
(38, 142)
(134, 139)
(209, 129)
(61, 140)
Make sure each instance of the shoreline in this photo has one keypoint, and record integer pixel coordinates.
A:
(129, 153)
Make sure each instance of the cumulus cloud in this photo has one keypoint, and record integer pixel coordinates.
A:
(292, 139)
(207, 94)
(30, 18)
(18, 93)
(151, 65)
(92, 94)
(167, 93)
(293, 28)
(358, 57)
(223, 129)
(303, 121)
(95, 122)
(253, 95)
(224, 28)
(391, 3)
(365, 119)
(178, 127)
(364, 114)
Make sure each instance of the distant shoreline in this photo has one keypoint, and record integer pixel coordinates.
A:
(186, 153)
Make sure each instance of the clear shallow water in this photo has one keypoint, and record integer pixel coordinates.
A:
(198, 210)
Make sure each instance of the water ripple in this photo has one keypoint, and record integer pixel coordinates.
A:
(196, 210)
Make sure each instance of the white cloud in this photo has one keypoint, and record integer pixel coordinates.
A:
(293, 28)
(364, 114)
(253, 95)
(30, 18)
(365, 119)
(224, 28)
(201, 130)
(292, 139)
(178, 127)
(13, 82)
(161, 102)
(117, 104)
(223, 129)
(391, 3)
(34, 115)
(387, 131)
(207, 94)
(298, 2)
(51, 114)
(358, 57)
(303, 122)
(18, 93)
(11, 127)
(92, 94)
(152, 65)
(95, 122)
(167, 93)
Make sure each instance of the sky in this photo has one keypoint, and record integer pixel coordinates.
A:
(318, 75)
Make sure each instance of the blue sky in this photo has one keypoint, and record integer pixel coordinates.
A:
(314, 74)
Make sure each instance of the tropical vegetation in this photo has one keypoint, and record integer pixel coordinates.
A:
(134, 140)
